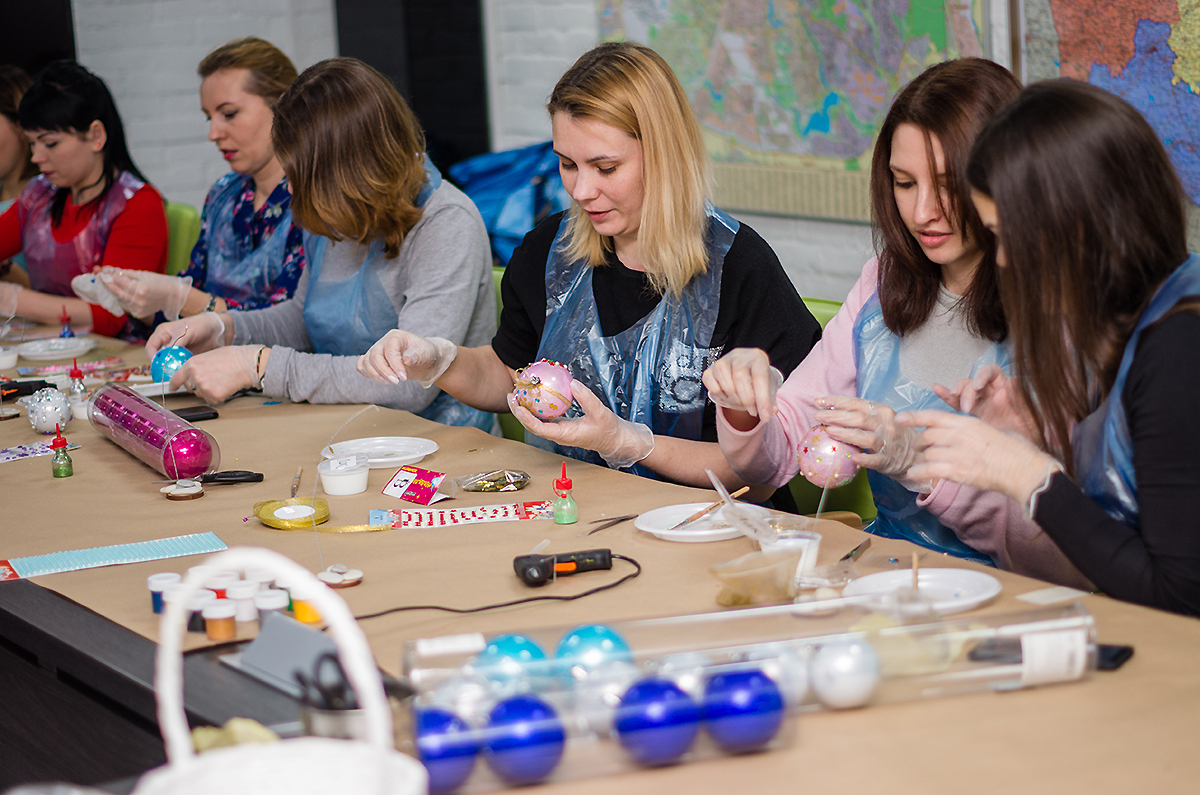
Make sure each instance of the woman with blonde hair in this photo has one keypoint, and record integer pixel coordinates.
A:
(250, 255)
(389, 245)
(635, 289)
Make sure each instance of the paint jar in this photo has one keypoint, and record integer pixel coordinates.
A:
(304, 610)
(219, 581)
(344, 475)
(203, 572)
(270, 601)
(200, 600)
(264, 577)
(172, 593)
(157, 583)
(242, 595)
(8, 358)
(219, 622)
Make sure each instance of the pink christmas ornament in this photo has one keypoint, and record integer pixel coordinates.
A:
(544, 388)
(824, 461)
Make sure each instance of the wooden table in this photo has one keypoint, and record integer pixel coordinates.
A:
(91, 629)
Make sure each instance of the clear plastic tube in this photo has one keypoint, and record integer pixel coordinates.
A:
(152, 434)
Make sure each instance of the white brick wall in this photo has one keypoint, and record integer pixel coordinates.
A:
(147, 52)
(531, 43)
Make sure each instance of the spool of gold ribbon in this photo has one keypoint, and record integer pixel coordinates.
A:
(298, 513)
(286, 515)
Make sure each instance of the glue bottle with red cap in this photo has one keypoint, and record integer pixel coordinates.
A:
(60, 465)
(565, 509)
(65, 319)
(77, 392)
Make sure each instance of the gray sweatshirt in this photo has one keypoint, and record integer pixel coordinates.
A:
(440, 284)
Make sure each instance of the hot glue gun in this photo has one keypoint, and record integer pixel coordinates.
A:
(537, 570)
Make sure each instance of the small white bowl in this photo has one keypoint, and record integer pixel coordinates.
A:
(8, 358)
(344, 474)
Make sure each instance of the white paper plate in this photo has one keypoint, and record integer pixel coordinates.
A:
(384, 451)
(949, 590)
(711, 528)
(55, 349)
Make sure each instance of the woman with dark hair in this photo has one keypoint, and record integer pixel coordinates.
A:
(1099, 439)
(89, 208)
(634, 288)
(924, 312)
(16, 169)
(388, 243)
(249, 254)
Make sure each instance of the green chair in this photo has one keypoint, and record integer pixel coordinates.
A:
(854, 496)
(508, 423)
(183, 229)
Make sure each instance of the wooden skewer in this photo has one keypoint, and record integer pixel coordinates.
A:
(915, 568)
(700, 514)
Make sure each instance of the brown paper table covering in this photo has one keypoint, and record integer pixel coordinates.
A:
(1118, 731)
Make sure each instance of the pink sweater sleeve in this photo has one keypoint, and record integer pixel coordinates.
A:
(987, 521)
(767, 452)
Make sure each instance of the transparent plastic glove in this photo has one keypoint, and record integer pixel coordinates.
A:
(8, 298)
(198, 333)
(90, 288)
(969, 451)
(619, 442)
(402, 356)
(744, 380)
(872, 427)
(143, 293)
(219, 374)
(992, 397)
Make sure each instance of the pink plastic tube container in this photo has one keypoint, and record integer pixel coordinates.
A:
(152, 434)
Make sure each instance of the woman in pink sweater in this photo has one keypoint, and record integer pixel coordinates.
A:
(924, 312)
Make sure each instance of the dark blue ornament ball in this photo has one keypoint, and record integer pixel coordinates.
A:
(447, 747)
(742, 710)
(524, 740)
(657, 721)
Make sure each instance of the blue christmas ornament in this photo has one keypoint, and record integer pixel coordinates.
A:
(657, 721)
(589, 646)
(507, 658)
(524, 740)
(447, 747)
(742, 709)
(167, 361)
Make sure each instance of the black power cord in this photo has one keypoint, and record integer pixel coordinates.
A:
(637, 570)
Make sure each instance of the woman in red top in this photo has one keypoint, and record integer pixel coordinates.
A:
(90, 207)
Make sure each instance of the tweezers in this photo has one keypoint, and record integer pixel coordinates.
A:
(604, 524)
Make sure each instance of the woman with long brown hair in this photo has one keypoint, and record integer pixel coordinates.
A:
(16, 167)
(388, 245)
(925, 312)
(1099, 443)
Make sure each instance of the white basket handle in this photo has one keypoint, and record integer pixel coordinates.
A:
(355, 653)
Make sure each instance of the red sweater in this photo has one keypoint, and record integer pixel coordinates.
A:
(138, 241)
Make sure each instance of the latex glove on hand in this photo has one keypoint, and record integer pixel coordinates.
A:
(969, 451)
(219, 374)
(402, 356)
(744, 380)
(198, 333)
(619, 442)
(143, 293)
(8, 298)
(887, 447)
(992, 397)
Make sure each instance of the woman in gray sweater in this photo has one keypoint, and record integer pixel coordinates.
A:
(389, 246)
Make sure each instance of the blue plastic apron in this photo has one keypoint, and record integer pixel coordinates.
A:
(1103, 446)
(649, 373)
(235, 270)
(345, 317)
(877, 357)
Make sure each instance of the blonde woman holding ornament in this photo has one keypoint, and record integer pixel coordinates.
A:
(924, 312)
(635, 288)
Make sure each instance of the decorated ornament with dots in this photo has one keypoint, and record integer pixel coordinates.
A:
(544, 388)
(826, 462)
